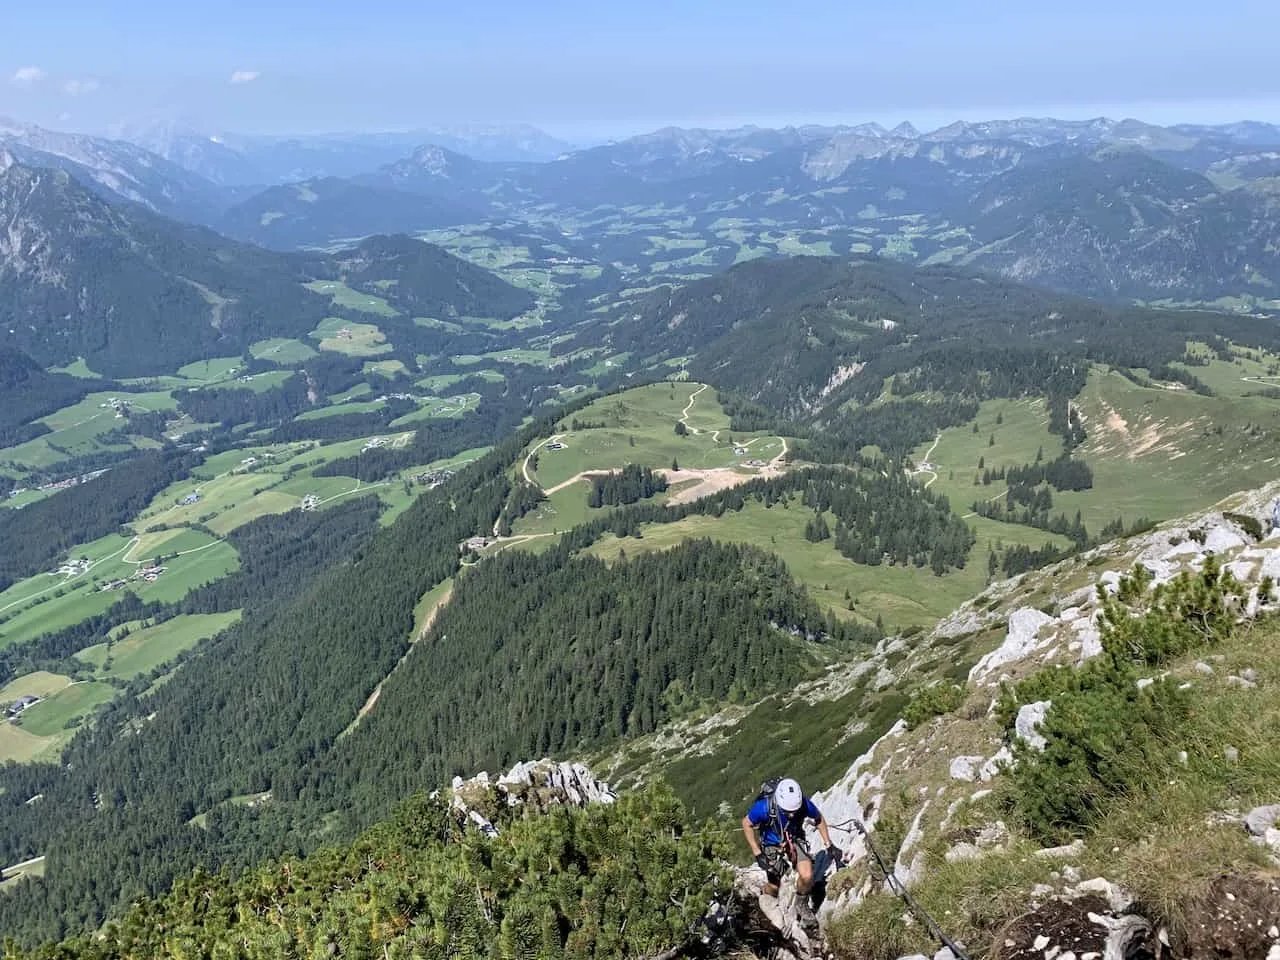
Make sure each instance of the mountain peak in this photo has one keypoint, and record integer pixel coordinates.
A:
(436, 160)
(906, 130)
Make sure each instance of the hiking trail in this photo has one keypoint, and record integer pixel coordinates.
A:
(422, 632)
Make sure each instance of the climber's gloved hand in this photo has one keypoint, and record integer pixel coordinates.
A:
(762, 862)
(835, 854)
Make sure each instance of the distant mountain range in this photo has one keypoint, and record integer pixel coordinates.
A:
(117, 170)
(1115, 209)
(233, 159)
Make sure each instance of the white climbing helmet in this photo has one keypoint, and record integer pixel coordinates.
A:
(788, 795)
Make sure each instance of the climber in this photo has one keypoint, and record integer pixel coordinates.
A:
(779, 815)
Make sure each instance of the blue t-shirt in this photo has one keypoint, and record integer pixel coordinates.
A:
(792, 823)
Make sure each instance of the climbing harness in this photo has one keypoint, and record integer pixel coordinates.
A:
(896, 886)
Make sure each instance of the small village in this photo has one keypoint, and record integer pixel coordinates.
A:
(59, 484)
(149, 573)
(433, 478)
(121, 407)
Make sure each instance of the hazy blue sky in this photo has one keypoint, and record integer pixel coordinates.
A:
(602, 68)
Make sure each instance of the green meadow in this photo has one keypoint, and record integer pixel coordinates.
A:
(134, 649)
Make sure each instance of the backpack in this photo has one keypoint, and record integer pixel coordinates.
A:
(766, 793)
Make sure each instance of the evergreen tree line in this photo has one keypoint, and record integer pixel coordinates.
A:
(1034, 513)
(744, 415)
(1020, 558)
(630, 484)
(882, 516)
(523, 499)
(816, 529)
(1064, 420)
(232, 406)
(554, 654)
(894, 428)
(1063, 473)
(630, 879)
(1037, 499)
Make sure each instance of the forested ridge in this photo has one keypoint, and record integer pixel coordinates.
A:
(815, 341)
(547, 654)
(628, 485)
(176, 293)
(592, 884)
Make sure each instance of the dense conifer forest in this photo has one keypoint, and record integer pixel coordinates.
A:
(630, 484)
(591, 884)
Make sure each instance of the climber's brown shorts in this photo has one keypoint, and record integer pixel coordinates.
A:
(779, 858)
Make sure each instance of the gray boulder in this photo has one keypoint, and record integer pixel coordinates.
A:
(1026, 726)
(1261, 819)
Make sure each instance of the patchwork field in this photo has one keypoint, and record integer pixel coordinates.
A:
(77, 368)
(71, 704)
(21, 746)
(81, 429)
(213, 369)
(339, 409)
(259, 382)
(50, 601)
(282, 351)
(134, 649)
(386, 368)
(353, 339)
(45, 727)
(440, 407)
(344, 296)
(41, 683)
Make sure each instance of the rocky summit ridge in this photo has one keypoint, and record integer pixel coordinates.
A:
(933, 797)
(953, 766)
